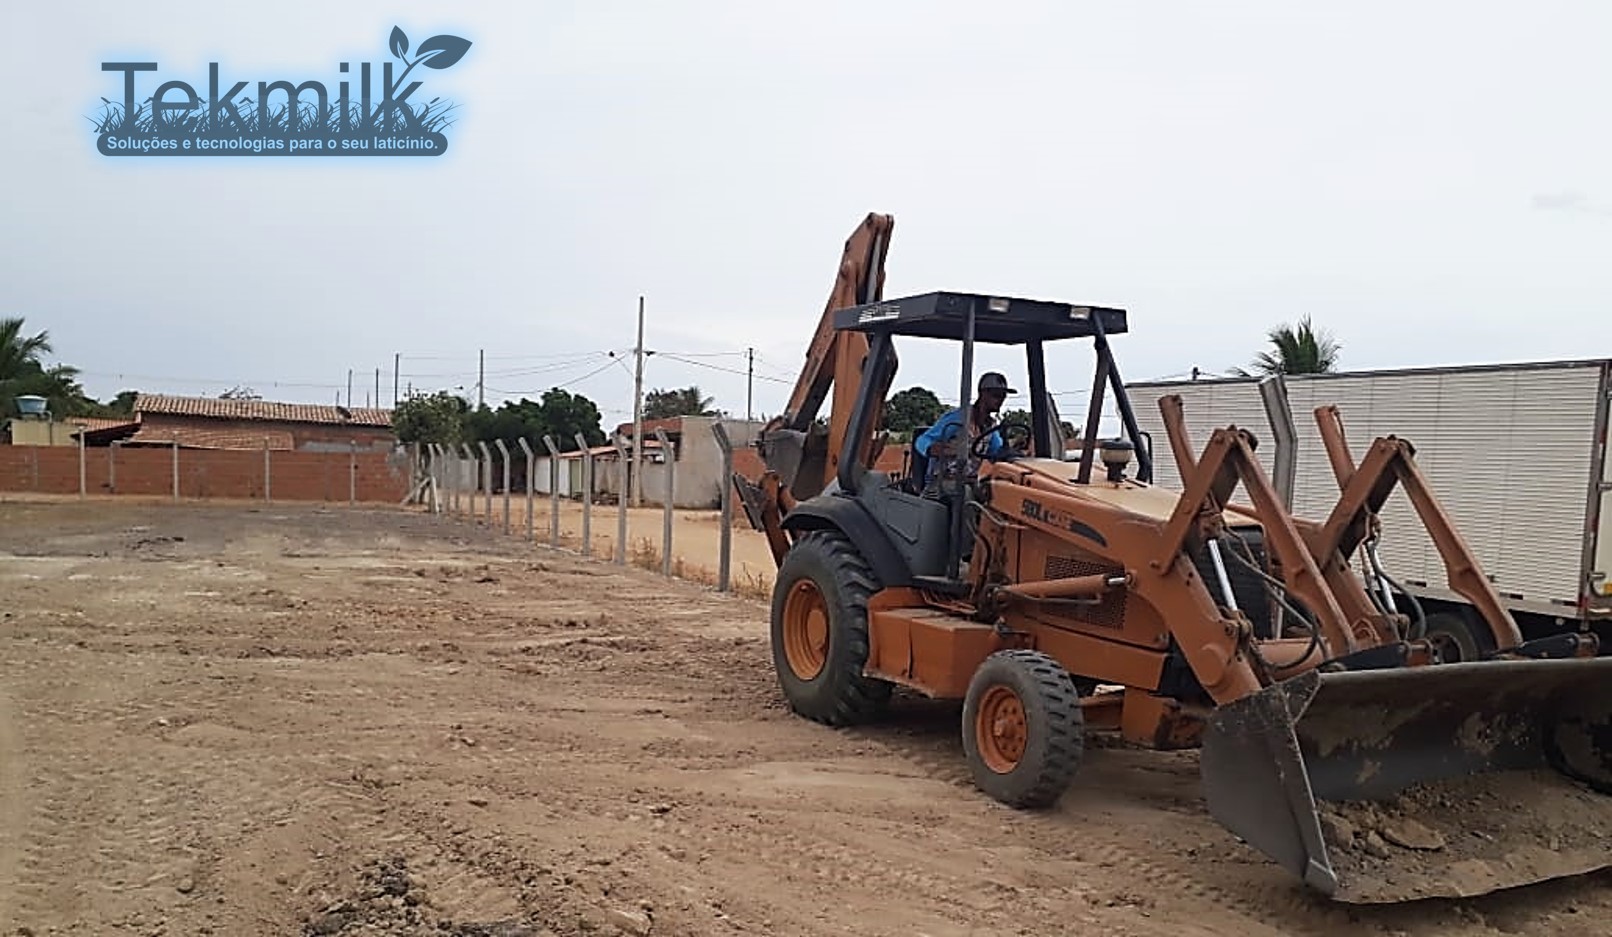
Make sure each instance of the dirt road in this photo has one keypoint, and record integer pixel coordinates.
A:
(300, 720)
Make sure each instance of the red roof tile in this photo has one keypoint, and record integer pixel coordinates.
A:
(261, 410)
(200, 438)
(93, 424)
(672, 424)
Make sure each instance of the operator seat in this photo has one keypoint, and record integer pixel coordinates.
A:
(917, 465)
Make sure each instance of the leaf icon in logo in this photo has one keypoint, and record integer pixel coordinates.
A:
(442, 51)
(400, 43)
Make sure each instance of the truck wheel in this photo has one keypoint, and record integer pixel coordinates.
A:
(1022, 728)
(820, 631)
(1455, 637)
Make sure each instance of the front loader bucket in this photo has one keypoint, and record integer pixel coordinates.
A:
(1447, 780)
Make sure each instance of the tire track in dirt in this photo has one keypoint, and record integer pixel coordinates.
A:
(927, 735)
(47, 882)
(17, 808)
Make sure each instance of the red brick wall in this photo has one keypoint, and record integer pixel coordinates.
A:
(204, 473)
(301, 433)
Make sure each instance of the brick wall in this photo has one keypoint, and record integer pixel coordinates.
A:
(313, 436)
(205, 473)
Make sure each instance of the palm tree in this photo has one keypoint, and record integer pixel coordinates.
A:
(23, 373)
(1300, 349)
(684, 401)
(19, 355)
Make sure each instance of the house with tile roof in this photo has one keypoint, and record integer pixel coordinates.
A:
(226, 423)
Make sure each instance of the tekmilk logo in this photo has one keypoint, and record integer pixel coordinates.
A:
(283, 119)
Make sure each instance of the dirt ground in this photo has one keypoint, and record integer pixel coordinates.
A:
(696, 537)
(297, 719)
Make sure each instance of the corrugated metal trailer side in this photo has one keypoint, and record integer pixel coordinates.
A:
(1516, 453)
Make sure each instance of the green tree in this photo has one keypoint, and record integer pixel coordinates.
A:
(439, 418)
(120, 405)
(19, 353)
(1300, 349)
(684, 401)
(908, 410)
(24, 373)
(559, 413)
(1016, 415)
(568, 414)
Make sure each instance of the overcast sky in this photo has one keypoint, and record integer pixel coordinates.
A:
(1432, 182)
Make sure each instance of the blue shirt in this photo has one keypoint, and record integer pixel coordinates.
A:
(947, 427)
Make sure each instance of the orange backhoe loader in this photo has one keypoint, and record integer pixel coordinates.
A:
(1054, 593)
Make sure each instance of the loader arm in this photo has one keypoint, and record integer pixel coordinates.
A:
(798, 457)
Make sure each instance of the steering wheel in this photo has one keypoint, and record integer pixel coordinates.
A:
(978, 446)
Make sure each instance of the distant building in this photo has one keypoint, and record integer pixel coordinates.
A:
(217, 423)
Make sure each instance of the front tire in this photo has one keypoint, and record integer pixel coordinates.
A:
(1023, 730)
(820, 631)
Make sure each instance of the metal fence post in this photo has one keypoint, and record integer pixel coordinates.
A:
(469, 501)
(450, 468)
(670, 461)
(725, 552)
(176, 470)
(531, 472)
(503, 451)
(621, 502)
(433, 474)
(486, 482)
(554, 489)
(587, 496)
(83, 483)
(442, 478)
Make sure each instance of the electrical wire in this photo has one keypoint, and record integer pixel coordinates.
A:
(717, 367)
(571, 383)
(122, 376)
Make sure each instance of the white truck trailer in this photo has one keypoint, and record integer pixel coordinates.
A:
(1516, 453)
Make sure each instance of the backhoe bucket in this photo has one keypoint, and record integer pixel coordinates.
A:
(1449, 780)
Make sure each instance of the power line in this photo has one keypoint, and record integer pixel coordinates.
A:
(717, 367)
(707, 354)
(521, 372)
(571, 383)
(206, 380)
(543, 357)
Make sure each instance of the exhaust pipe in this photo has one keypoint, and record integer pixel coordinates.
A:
(1273, 391)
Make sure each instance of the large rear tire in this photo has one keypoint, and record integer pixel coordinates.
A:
(820, 631)
(1457, 637)
(1023, 731)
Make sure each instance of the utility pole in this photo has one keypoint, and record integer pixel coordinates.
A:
(749, 382)
(481, 381)
(377, 387)
(397, 359)
(638, 414)
(349, 387)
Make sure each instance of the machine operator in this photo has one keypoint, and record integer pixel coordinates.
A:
(957, 427)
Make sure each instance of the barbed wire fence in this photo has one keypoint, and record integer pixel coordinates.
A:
(457, 484)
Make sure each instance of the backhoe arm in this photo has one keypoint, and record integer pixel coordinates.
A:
(835, 358)
(799, 457)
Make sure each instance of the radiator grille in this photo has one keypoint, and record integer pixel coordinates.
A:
(1108, 613)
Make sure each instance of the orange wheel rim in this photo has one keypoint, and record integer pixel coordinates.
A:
(1000, 729)
(806, 630)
